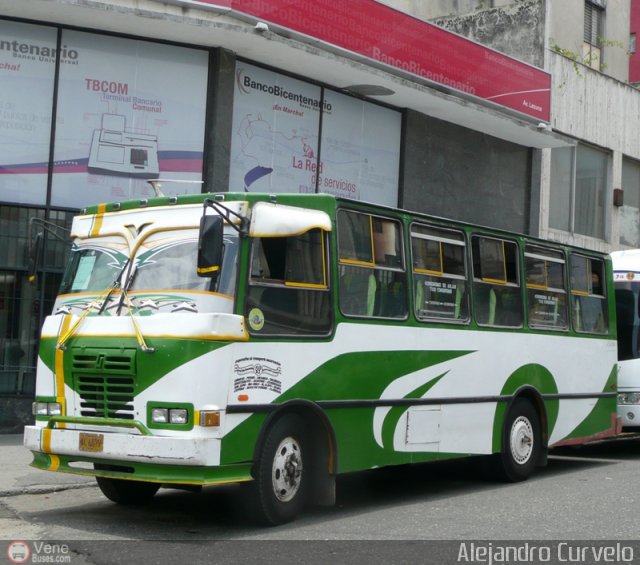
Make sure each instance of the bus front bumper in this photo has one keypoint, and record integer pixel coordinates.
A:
(630, 415)
(171, 460)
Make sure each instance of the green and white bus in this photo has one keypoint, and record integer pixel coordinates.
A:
(282, 340)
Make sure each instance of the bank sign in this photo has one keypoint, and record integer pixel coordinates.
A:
(381, 33)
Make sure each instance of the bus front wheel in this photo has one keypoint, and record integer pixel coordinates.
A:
(279, 492)
(521, 443)
(127, 492)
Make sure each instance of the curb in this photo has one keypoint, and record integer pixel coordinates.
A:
(44, 489)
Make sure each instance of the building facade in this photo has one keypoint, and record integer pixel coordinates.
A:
(590, 191)
(634, 54)
(355, 99)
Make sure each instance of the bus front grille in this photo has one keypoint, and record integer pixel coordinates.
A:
(107, 396)
(105, 382)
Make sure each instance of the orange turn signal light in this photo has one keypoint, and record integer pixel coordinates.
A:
(209, 418)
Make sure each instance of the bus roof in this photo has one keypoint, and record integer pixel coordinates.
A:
(320, 201)
(627, 260)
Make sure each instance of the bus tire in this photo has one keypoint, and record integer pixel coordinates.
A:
(521, 443)
(282, 473)
(127, 492)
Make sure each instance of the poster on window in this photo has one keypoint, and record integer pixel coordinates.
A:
(275, 140)
(128, 111)
(27, 67)
(360, 150)
(274, 144)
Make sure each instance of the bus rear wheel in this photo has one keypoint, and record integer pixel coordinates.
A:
(279, 492)
(127, 492)
(521, 443)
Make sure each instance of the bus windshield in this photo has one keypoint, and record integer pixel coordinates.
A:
(165, 261)
(627, 319)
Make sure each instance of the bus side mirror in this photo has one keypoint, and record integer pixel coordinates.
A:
(34, 257)
(210, 246)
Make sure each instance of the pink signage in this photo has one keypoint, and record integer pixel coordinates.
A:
(381, 33)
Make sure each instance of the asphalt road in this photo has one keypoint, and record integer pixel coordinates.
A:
(394, 515)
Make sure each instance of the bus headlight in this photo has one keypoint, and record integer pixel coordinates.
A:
(178, 416)
(169, 416)
(160, 415)
(46, 409)
(629, 398)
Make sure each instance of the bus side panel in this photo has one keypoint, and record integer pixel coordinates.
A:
(401, 394)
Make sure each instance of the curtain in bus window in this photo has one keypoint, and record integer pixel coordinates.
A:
(387, 243)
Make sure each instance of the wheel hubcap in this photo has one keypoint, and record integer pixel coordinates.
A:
(287, 470)
(521, 440)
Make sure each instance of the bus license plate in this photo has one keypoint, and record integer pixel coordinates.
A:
(93, 443)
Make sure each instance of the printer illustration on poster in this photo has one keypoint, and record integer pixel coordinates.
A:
(117, 151)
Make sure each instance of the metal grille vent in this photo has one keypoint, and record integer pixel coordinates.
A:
(105, 383)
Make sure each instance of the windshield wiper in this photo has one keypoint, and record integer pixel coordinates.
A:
(131, 275)
(124, 298)
(62, 339)
(114, 286)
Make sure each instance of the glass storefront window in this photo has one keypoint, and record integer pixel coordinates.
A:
(561, 188)
(128, 111)
(579, 179)
(276, 126)
(274, 147)
(360, 150)
(58, 243)
(590, 190)
(14, 235)
(19, 331)
(630, 212)
(27, 77)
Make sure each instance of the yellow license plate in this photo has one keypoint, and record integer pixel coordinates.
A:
(93, 443)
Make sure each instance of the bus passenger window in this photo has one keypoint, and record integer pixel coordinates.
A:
(438, 257)
(546, 294)
(497, 299)
(371, 266)
(588, 295)
(288, 289)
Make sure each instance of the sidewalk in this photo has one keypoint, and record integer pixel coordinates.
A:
(18, 477)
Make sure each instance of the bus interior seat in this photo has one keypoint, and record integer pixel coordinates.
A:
(358, 291)
(391, 302)
(485, 302)
(458, 303)
(508, 307)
